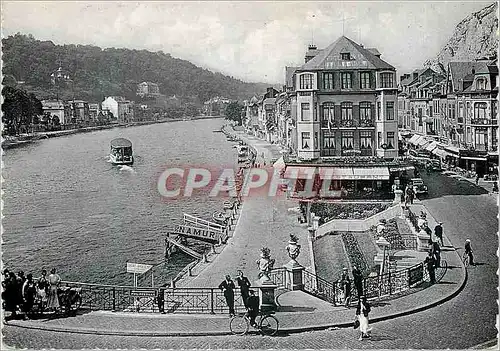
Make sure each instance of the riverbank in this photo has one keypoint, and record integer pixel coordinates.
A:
(10, 142)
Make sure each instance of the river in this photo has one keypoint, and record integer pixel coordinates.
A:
(66, 207)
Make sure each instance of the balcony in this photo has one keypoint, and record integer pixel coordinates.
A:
(367, 123)
(347, 123)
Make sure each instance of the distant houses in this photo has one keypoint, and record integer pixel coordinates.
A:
(148, 89)
(215, 106)
(121, 108)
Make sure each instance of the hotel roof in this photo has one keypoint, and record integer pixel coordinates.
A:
(331, 58)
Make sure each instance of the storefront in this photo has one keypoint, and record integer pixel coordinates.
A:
(474, 161)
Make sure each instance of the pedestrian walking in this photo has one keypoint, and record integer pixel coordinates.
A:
(358, 280)
(431, 263)
(477, 178)
(436, 253)
(409, 195)
(362, 311)
(29, 293)
(468, 251)
(244, 285)
(52, 298)
(227, 286)
(438, 232)
(346, 287)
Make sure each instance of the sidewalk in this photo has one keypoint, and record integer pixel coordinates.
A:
(297, 310)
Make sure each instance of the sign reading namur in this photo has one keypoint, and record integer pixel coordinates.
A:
(198, 233)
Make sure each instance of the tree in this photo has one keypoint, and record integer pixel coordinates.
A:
(234, 111)
(18, 109)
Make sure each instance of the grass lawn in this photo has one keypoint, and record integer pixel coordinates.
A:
(330, 257)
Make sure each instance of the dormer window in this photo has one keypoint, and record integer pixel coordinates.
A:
(481, 84)
(345, 56)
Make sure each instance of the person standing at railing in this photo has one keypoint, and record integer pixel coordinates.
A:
(160, 299)
(29, 292)
(345, 281)
(358, 280)
(253, 307)
(468, 251)
(244, 285)
(42, 286)
(227, 286)
(53, 299)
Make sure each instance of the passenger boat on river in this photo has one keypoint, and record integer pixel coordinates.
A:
(121, 152)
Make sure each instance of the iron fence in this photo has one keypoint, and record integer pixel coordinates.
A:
(212, 300)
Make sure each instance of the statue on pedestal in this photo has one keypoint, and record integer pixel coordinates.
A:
(293, 248)
(265, 263)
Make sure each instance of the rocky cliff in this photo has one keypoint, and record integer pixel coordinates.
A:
(475, 37)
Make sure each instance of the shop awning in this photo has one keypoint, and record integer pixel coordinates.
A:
(414, 138)
(336, 173)
(473, 158)
(423, 141)
(297, 172)
(371, 173)
(431, 146)
(400, 168)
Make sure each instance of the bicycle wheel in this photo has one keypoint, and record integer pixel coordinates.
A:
(465, 259)
(269, 325)
(239, 325)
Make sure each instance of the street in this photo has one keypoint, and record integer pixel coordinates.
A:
(465, 321)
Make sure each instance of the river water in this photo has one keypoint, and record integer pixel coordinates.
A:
(66, 207)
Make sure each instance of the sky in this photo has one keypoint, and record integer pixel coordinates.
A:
(252, 41)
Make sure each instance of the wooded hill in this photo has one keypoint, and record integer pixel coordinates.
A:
(97, 72)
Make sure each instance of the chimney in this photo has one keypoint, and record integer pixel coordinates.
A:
(312, 51)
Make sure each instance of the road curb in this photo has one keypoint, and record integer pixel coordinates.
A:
(288, 330)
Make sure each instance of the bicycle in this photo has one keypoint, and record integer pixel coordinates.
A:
(466, 259)
(240, 324)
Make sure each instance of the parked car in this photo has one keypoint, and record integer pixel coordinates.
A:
(434, 165)
(418, 186)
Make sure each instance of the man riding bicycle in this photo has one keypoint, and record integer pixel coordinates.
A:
(468, 252)
(253, 308)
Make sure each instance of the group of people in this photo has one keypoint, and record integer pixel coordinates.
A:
(22, 293)
(250, 301)
(363, 308)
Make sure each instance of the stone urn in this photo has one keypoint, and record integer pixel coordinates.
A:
(293, 248)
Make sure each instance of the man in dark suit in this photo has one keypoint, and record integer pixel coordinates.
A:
(227, 286)
(244, 285)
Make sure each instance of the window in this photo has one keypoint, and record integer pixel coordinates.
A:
(306, 140)
(494, 109)
(481, 138)
(380, 140)
(390, 140)
(460, 109)
(386, 80)
(304, 111)
(306, 81)
(347, 140)
(365, 137)
(315, 140)
(328, 148)
(328, 115)
(327, 81)
(345, 56)
(481, 84)
(389, 110)
(346, 80)
(346, 111)
(365, 80)
(480, 110)
(379, 111)
(365, 112)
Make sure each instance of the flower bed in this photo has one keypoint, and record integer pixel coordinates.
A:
(329, 210)
(354, 253)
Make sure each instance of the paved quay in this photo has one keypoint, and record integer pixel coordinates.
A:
(298, 311)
